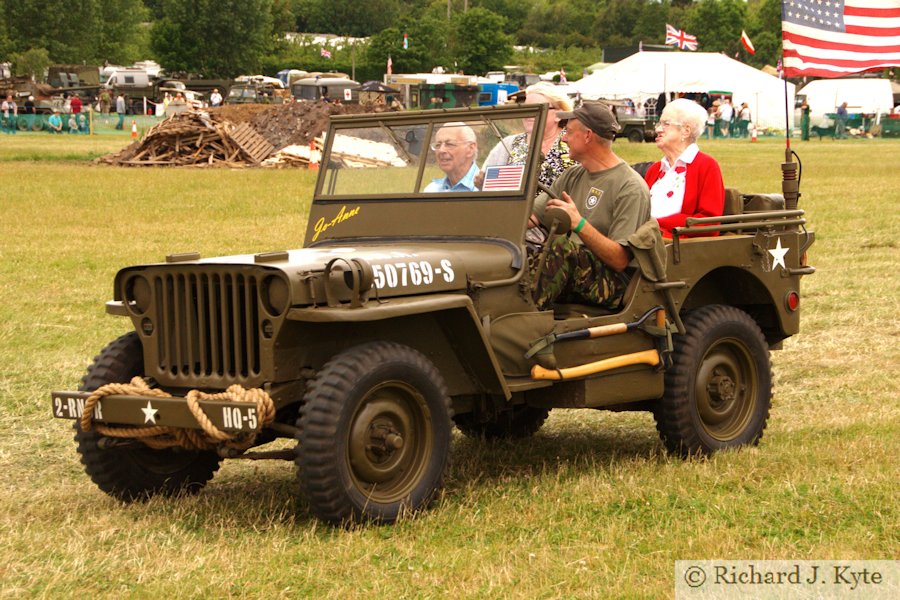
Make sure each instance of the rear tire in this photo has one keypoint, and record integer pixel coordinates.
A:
(718, 390)
(138, 472)
(635, 136)
(518, 422)
(374, 434)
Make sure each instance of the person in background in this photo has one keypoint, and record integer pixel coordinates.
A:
(726, 114)
(804, 121)
(840, 126)
(743, 120)
(54, 123)
(455, 148)
(30, 112)
(120, 109)
(10, 112)
(513, 149)
(686, 182)
(76, 104)
(606, 201)
(711, 123)
(215, 99)
(105, 103)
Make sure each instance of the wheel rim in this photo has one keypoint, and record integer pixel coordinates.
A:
(389, 443)
(726, 389)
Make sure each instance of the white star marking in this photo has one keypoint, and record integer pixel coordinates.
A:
(777, 254)
(150, 412)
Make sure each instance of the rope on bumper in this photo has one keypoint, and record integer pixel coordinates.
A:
(161, 436)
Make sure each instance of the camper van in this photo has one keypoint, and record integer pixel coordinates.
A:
(331, 88)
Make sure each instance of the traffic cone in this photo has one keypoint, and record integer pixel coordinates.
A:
(134, 128)
(753, 133)
(314, 156)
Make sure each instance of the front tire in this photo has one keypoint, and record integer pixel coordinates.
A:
(719, 388)
(635, 136)
(136, 472)
(374, 434)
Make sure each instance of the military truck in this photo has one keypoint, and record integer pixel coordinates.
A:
(636, 129)
(407, 312)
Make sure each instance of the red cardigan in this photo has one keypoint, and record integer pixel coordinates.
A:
(704, 192)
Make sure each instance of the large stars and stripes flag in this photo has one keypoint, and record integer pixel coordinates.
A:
(682, 39)
(507, 177)
(831, 38)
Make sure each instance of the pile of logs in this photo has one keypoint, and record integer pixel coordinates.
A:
(195, 139)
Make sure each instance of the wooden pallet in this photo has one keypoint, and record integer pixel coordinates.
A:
(255, 146)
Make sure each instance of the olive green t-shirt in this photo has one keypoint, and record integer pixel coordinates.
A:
(615, 201)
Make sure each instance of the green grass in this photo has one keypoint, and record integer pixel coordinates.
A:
(591, 507)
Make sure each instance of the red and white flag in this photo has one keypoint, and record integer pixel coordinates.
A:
(677, 37)
(839, 37)
(325, 53)
(745, 41)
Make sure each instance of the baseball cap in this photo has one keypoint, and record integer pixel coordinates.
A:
(596, 116)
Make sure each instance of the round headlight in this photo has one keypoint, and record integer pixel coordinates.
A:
(275, 295)
(138, 294)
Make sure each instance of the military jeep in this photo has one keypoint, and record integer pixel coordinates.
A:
(408, 312)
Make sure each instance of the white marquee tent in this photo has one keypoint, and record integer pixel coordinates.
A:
(645, 75)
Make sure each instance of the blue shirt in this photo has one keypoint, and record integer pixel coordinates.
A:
(466, 184)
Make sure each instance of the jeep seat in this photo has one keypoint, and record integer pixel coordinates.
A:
(734, 202)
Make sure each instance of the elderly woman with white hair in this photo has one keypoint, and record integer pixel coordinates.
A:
(514, 149)
(686, 182)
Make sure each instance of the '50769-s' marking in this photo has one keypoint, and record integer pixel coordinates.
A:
(414, 272)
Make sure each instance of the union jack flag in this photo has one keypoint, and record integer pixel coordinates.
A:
(507, 177)
(677, 37)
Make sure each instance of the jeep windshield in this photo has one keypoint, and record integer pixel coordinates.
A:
(458, 172)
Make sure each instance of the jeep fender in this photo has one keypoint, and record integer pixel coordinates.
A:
(444, 327)
(742, 289)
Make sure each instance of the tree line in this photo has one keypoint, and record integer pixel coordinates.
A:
(225, 38)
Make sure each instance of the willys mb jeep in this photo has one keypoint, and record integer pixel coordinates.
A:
(408, 312)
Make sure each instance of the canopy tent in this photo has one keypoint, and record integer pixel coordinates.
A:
(645, 75)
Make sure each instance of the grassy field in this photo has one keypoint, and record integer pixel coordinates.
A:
(591, 507)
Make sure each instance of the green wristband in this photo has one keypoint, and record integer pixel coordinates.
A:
(580, 225)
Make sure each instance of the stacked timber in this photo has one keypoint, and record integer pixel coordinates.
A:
(198, 139)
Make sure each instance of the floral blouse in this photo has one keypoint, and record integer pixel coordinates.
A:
(555, 162)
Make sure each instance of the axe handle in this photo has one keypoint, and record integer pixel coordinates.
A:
(646, 357)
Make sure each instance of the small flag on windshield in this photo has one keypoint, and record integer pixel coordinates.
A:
(507, 177)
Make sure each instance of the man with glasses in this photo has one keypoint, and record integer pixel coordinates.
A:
(606, 201)
(455, 148)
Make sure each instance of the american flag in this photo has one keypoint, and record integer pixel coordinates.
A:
(677, 37)
(831, 38)
(325, 53)
(508, 177)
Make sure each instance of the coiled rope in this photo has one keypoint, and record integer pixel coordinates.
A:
(162, 436)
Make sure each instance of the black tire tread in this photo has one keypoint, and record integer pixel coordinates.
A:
(318, 426)
(672, 413)
(516, 423)
(115, 471)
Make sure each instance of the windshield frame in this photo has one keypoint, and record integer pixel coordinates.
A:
(432, 120)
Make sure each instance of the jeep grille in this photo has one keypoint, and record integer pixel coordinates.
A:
(208, 325)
